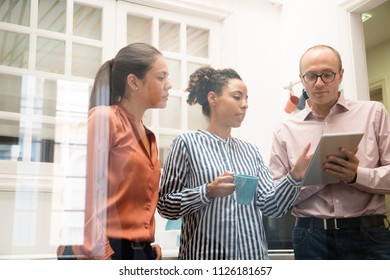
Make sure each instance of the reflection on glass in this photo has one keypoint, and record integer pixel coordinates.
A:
(52, 15)
(164, 142)
(196, 119)
(174, 72)
(48, 51)
(139, 29)
(170, 117)
(192, 67)
(42, 147)
(87, 21)
(14, 49)
(197, 42)
(9, 140)
(86, 60)
(45, 100)
(72, 98)
(10, 88)
(16, 12)
(169, 36)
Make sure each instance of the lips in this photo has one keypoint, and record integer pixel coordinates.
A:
(241, 116)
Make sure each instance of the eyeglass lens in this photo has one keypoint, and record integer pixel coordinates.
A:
(326, 77)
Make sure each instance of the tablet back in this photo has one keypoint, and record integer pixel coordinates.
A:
(329, 145)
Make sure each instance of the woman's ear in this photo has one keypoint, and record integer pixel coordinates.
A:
(212, 98)
(132, 82)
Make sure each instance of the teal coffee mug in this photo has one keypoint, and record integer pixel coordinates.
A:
(246, 186)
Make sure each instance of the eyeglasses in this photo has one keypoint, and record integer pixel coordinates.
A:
(326, 77)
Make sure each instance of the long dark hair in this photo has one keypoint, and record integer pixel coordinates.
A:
(206, 79)
(110, 81)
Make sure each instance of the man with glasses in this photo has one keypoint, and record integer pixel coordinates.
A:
(345, 220)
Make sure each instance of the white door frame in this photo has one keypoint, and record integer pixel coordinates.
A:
(353, 45)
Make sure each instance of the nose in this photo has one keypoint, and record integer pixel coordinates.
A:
(319, 82)
(245, 103)
(168, 85)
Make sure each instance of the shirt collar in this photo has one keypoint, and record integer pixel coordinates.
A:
(340, 106)
(213, 136)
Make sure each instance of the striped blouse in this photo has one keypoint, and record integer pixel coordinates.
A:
(219, 228)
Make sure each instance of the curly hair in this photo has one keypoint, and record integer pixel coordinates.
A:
(206, 79)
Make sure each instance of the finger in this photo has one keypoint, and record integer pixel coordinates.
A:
(306, 150)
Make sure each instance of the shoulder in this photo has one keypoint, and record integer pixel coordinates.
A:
(245, 144)
(369, 105)
(101, 111)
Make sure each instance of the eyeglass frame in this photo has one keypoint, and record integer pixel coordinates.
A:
(320, 75)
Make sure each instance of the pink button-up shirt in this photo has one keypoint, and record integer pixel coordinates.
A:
(367, 195)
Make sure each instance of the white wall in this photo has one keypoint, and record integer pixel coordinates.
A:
(263, 40)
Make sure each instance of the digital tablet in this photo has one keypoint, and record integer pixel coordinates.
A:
(329, 144)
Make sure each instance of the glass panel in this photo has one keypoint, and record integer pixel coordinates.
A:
(45, 100)
(139, 29)
(10, 89)
(196, 119)
(164, 143)
(72, 100)
(42, 148)
(197, 42)
(52, 15)
(169, 37)
(87, 21)
(48, 51)
(14, 49)
(86, 61)
(170, 117)
(10, 95)
(192, 67)
(16, 12)
(174, 72)
(9, 140)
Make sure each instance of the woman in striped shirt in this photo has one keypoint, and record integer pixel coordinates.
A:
(197, 181)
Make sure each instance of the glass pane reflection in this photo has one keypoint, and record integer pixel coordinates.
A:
(86, 60)
(14, 49)
(52, 15)
(174, 72)
(170, 117)
(196, 119)
(197, 42)
(139, 29)
(87, 21)
(48, 51)
(16, 12)
(169, 36)
(164, 142)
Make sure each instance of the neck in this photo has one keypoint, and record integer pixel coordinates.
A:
(221, 132)
(134, 109)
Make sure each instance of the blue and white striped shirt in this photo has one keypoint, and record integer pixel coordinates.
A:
(219, 228)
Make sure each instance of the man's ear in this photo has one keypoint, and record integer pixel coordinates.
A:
(132, 82)
(212, 98)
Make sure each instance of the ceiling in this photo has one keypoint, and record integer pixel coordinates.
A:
(376, 29)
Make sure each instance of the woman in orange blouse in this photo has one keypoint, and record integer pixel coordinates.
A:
(123, 170)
